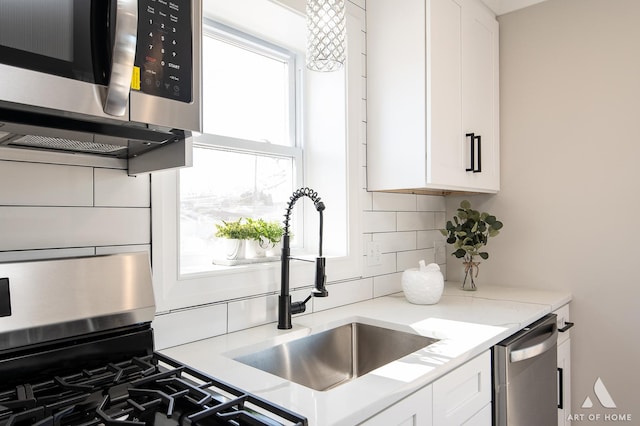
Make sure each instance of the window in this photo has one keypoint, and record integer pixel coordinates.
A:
(249, 159)
(332, 116)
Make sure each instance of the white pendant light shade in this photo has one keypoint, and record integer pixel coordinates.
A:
(326, 35)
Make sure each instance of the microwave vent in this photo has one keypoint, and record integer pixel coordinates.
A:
(66, 144)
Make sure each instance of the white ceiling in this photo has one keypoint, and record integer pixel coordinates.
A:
(500, 7)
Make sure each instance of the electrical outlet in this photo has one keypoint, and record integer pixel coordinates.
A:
(374, 253)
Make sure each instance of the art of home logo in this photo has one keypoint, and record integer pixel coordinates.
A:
(606, 401)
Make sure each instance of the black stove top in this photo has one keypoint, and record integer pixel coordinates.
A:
(149, 390)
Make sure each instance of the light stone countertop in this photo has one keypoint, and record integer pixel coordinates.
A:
(467, 324)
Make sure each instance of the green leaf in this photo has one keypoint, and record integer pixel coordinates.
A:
(444, 232)
(490, 220)
(465, 204)
(451, 240)
(484, 255)
(459, 253)
(497, 225)
(493, 232)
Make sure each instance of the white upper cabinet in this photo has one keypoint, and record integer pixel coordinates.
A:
(432, 96)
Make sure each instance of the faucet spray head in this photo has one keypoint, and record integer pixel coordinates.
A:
(321, 279)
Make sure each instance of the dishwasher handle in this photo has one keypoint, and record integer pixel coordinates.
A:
(537, 349)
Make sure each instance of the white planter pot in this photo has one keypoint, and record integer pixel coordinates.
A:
(234, 249)
(274, 249)
(254, 249)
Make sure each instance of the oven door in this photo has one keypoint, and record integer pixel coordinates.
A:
(68, 55)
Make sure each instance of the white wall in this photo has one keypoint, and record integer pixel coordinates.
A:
(570, 108)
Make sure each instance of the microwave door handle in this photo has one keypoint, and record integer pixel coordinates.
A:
(124, 52)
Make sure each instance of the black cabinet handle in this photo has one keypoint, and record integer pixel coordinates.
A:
(567, 326)
(475, 139)
(473, 156)
(479, 169)
(560, 388)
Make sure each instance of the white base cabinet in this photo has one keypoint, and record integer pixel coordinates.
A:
(414, 410)
(564, 367)
(462, 397)
(464, 393)
(432, 96)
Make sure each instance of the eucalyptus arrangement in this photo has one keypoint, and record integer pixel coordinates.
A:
(469, 232)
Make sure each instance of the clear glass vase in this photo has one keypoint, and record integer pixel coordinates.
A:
(471, 269)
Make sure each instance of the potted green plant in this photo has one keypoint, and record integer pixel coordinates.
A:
(469, 232)
(265, 235)
(235, 233)
(249, 238)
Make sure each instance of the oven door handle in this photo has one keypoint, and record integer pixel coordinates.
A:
(535, 350)
(123, 57)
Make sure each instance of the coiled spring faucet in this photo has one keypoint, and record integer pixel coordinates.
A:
(286, 308)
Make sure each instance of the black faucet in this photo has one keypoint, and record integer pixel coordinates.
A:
(286, 308)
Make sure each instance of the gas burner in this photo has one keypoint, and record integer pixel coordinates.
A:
(150, 390)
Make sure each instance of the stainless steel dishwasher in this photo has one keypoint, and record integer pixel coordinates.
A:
(525, 376)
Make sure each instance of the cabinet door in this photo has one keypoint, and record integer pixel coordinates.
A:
(480, 91)
(461, 394)
(481, 418)
(564, 383)
(414, 410)
(432, 77)
(444, 93)
(396, 82)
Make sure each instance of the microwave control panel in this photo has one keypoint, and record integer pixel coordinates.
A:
(164, 58)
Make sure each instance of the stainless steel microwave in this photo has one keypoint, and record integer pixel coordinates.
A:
(120, 78)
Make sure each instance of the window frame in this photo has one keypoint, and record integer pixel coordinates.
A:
(227, 34)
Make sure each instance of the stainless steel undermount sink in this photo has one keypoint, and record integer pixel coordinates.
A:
(336, 356)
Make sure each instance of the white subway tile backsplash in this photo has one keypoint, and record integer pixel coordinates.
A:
(415, 221)
(384, 201)
(169, 329)
(411, 259)
(252, 312)
(344, 293)
(441, 221)
(387, 284)
(387, 266)
(441, 252)
(114, 188)
(431, 203)
(395, 241)
(27, 228)
(379, 221)
(39, 184)
(429, 239)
